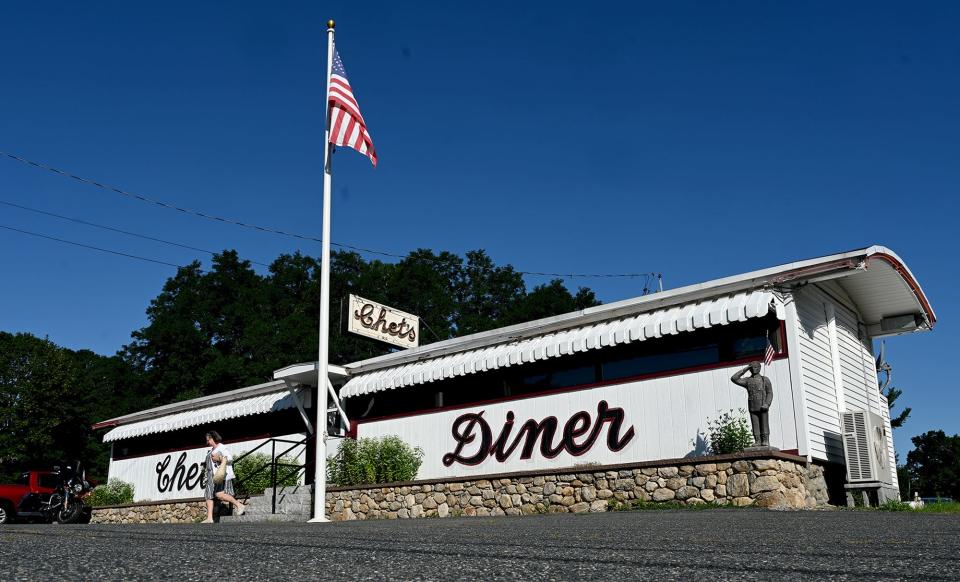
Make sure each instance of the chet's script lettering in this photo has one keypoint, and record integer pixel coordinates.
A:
(472, 432)
(400, 329)
(181, 478)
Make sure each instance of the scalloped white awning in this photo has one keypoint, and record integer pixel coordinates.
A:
(249, 406)
(640, 327)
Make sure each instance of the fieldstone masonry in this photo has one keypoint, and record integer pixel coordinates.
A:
(775, 481)
(186, 511)
(771, 480)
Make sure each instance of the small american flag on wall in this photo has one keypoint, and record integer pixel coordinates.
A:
(769, 353)
(347, 127)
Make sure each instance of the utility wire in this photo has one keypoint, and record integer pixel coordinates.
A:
(152, 201)
(276, 231)
(102, 250)
(114, 229)
(147, 259)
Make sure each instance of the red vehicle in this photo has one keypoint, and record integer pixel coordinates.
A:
(32, 484)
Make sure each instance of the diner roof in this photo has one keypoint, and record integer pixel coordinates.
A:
(261, 404)
(883, 289)
(231, 398)
(636, 328)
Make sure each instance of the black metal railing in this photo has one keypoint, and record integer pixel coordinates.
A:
(274, 467)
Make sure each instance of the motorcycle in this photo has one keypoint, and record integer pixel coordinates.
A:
(66, 503)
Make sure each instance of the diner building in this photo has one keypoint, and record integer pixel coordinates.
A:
(628, 382)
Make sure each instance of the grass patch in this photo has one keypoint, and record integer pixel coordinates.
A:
(945, 507)
(949, 507)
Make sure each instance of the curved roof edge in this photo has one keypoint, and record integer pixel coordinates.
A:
(885, 254)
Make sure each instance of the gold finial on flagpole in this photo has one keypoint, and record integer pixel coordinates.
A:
(331, 24)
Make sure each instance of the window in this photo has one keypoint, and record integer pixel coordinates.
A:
(749, 346)
(547, 379)
(653, 363)
(48, 481)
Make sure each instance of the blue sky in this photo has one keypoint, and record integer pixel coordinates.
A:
(697, 139)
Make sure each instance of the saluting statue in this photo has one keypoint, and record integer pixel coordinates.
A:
(759, 398)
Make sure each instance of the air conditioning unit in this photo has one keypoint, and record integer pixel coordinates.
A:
(865, 447)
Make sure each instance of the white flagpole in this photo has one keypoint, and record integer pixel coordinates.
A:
(320, 475)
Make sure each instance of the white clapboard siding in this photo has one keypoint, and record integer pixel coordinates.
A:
(818, 379)
(670, 417)
(859, 377)
(857, 364)
(891, 453)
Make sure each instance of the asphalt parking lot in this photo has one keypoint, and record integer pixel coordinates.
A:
(652, 545)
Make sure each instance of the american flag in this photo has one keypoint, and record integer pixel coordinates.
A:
(347, 127)
(768, 355)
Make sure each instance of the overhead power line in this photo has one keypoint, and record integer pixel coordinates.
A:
(91, 247)
(147, 200)
(147, 259)
(114, 229)
(276, 231)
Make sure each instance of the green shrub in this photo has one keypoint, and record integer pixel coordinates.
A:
(115, 492)
(730, 433)
(251, 482)
(366, 461)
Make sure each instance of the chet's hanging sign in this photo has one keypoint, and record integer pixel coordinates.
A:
(370, 319)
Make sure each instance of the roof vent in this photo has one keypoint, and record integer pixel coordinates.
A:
(900, 323)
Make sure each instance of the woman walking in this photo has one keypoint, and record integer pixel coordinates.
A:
(223, 491)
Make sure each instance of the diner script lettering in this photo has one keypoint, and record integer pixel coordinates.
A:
(182, 477)
(469, 427)
(401, 329)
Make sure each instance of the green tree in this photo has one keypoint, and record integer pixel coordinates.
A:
(934, 464)
(213, 331)
(884, 378)
(485, 294)
(103, 387)
(36, 380)
(171, 350)
(49, 398)
(892, 393)
(293, 304)
(208, 332)
(548, 300)
(350, 273)
(426, 285)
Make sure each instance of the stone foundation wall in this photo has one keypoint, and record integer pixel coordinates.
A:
(184, 511)
(773, 480)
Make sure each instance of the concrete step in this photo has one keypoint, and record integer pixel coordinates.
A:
(281, 509)
(292, 490)
(282, 501)
(292, 504)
